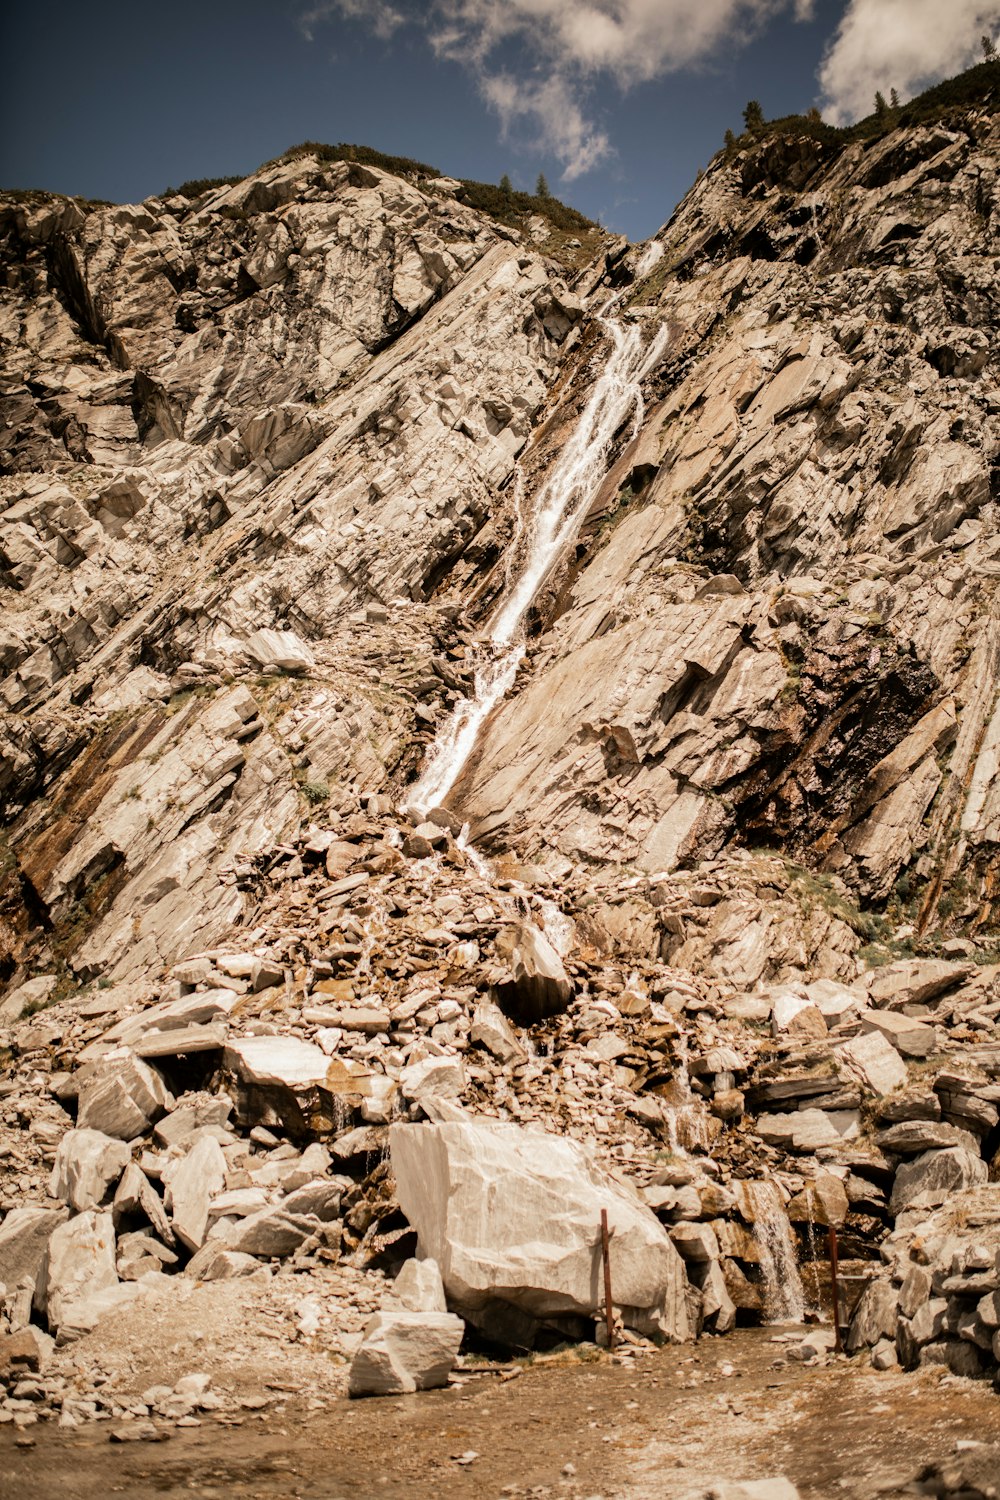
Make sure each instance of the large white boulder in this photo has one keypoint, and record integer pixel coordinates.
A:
(88, 1165)
(405, 1351)
(513, 1218)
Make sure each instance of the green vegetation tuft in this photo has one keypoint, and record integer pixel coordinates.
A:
(977, 88)
(365, 156)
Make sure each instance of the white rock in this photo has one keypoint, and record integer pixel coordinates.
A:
(419, 1286)
(433, 1078)
(271, 1232)
(874, 1062)
(539, 986)
(122, 1096)
(213, 1262)
(492, 1030)
(280, 650)
(934, 1177)
(24, 1238)
(88, 1164)
(191, 1184)
(80, 1262)
(34, 993)
(405, 1351)
(285, 1061)
(512, 1216)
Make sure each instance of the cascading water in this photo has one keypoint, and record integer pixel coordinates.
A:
(784, 1298)
(540, 539)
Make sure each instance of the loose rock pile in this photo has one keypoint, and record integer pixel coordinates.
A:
(262, 1108)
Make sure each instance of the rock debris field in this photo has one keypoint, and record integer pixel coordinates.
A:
(216, 1189)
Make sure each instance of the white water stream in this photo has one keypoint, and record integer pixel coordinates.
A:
(784, 1297)
(541, 537)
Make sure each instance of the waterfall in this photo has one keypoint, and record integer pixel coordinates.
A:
(784, 1298)
(543, 531)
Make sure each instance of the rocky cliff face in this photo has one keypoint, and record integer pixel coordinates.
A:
(278, 465)
(294, 400)
(314, 402)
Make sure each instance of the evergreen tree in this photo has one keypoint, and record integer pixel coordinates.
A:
(730, 140)
(814, 117)
(505, 186)
(893, 98)
(753, 117)
(542, 187)
(989, 47)
(881, 108)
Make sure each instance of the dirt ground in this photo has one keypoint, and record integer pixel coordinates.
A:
(664, 1425)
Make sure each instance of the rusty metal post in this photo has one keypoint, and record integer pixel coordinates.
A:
(835, 1289)
(609, 1311)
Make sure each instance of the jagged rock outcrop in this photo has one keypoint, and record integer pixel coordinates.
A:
(783, 628)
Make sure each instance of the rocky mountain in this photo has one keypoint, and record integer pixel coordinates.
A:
(521, 669)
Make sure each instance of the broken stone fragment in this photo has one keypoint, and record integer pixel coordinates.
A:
(88, 1165)
(139, 1253)
(795, 1015)
(136, 1195)
(214, 1262)
(280, 650)
(874, 1062)
(539, 985)
(421, 841)
(492, 1030)
(934, 1177)
(190, 1184)
(31, 996)
(122, 1096)
(24, 1238)
(405, 1351)
(26, 1350)
(272, 1231)
(911, 1137)
(823, 1201)
(433, 1078)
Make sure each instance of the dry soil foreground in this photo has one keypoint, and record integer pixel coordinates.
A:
(665, 1425)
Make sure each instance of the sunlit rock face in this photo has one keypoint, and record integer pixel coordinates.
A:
(273, 462)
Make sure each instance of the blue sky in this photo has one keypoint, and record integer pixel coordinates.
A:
(618, 102)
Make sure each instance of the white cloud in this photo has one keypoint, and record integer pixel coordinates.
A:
(900, 44)
(563, 128)
(563, 46)
(380, 15)
(633, 40)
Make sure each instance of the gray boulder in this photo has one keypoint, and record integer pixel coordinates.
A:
(932, 1178)
(539, 985)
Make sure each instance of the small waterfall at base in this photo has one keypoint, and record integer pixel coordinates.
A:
(784, 1298)
(543, 532)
